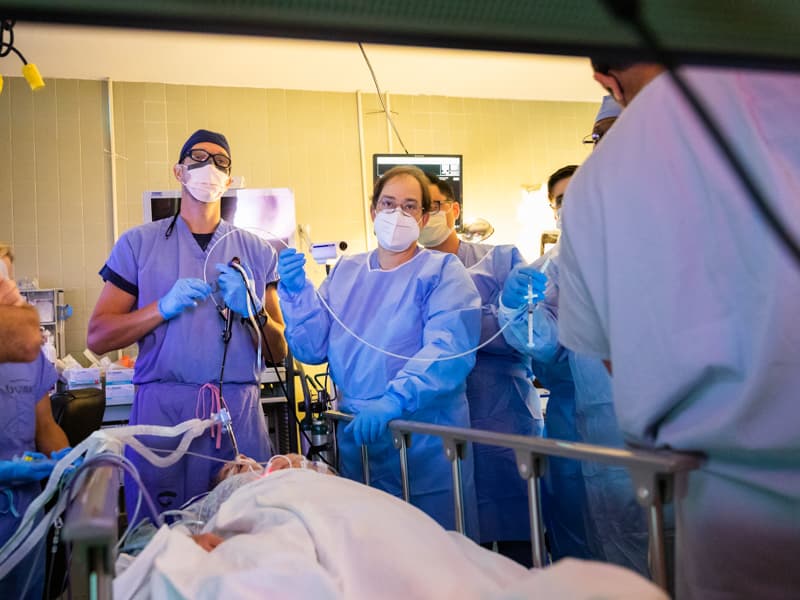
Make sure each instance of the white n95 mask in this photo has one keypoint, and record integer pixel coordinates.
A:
(205, 182)
(436, 231)
(395, 230)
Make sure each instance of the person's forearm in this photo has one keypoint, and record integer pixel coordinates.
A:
(277, 351)
(20, 338)
(51, 439)
(109, 331)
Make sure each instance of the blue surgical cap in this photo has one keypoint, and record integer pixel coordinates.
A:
(609, 109)
(204, 135)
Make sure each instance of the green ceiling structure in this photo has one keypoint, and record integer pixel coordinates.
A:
(735, 32)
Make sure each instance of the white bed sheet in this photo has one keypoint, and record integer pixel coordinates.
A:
(297, 534)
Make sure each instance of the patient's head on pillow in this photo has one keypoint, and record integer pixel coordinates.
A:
(280, 462)
(244, 464)
(241, 464)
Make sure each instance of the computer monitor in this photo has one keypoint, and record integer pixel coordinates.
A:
(269, 213)
(448, 167)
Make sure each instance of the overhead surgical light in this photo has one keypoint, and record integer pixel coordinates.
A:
(476, 230)
(29, 70)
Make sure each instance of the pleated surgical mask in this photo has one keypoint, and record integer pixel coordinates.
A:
(436, 231)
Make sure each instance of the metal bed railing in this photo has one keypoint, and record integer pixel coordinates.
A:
(653, 473)
(91, 523)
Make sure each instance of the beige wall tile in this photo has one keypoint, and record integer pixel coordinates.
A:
(55, 192)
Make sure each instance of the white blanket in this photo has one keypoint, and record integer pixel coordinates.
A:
(297, 534)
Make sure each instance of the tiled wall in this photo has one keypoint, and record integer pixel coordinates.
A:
(55, 182)
(55, 189)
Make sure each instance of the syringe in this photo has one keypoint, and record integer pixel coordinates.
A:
(530, 314)
(530, 305)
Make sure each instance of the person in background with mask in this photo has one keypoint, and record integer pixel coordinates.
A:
(28, 433)
(158, 295)
(563, 492)
(500, 392)
(20, 338)
(614, 522)
(672, 277)
(407, 301)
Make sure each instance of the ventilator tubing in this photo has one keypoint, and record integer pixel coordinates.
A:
(105, 440)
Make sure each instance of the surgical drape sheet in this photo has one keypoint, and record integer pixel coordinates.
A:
(297, 534)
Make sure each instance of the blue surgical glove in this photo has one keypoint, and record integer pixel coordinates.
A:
(57, 455)
(21, 471)
(291, 271)
(515, 289)
(372, 421)
(234, 289)
(184, 294)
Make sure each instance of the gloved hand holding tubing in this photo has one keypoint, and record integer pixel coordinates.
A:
(185, 293)
(32, 466)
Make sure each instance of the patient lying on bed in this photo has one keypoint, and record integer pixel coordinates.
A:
(237, 473)
(295, 533)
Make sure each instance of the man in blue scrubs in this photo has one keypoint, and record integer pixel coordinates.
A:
(158, 293)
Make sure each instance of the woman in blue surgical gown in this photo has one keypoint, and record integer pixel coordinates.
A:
(410, 302)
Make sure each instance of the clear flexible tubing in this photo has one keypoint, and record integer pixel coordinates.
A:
(358, 338)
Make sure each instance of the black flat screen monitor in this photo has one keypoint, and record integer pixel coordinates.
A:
(448, 167)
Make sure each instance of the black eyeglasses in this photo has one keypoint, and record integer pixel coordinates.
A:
(437, 205)
(592, 138)
(199, 155)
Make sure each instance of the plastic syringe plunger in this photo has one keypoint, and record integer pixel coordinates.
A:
(530, 315)
(530, 304)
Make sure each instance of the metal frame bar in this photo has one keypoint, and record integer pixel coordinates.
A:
(91, 525)
(653, 473)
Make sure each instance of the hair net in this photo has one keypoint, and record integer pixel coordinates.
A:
(609, 109)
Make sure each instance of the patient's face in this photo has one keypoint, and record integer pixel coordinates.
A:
(280, 462)
(242, 464)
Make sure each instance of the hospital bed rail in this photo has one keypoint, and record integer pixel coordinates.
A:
(654, 474)
(91, 525)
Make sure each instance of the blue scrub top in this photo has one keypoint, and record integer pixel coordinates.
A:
(188, 349)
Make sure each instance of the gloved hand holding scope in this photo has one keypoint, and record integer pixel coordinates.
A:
(234, 289)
